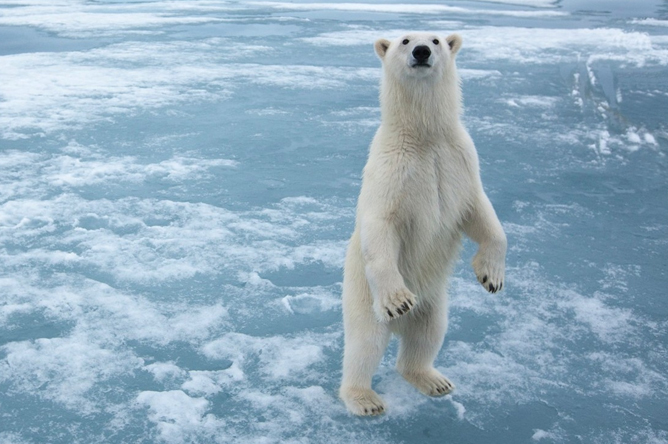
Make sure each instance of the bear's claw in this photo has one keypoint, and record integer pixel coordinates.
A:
(394, 304)
(489, 270)
(491, 287)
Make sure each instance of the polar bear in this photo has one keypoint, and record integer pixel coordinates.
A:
(421, 190)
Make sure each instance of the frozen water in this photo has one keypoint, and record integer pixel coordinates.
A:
(177, 187)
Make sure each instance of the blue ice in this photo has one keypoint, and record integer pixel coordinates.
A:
(178, 182)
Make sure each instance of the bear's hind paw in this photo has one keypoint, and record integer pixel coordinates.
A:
(430, 383)
(362, 402)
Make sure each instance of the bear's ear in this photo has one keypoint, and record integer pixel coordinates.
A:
(455, 42)
(381, 47)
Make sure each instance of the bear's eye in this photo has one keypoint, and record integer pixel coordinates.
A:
(405, 42)
(435, 41)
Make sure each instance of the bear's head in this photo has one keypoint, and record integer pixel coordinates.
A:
(418, 55)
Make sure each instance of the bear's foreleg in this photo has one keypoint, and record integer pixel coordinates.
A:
(380, 249)
(484, 228)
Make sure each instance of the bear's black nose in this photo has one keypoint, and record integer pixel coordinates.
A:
(421, 53)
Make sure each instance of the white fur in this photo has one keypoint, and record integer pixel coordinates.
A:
(421, 190)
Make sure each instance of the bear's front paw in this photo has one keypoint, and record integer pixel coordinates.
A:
(393, 304)
(491, 285)
(490, 272)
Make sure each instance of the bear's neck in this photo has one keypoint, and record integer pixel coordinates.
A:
(425, 109)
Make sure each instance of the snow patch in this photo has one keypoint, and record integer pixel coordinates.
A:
(179, 417)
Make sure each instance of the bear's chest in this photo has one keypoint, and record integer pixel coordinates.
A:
(437, 194)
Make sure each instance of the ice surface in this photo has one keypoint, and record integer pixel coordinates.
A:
(410, 8)
(178, 183)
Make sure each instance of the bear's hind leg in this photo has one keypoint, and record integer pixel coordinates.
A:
(421, 339)
(365, 342)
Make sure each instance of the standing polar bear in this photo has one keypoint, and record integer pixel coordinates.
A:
(421, 190)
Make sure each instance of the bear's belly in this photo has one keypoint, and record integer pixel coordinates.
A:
(430, 235)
